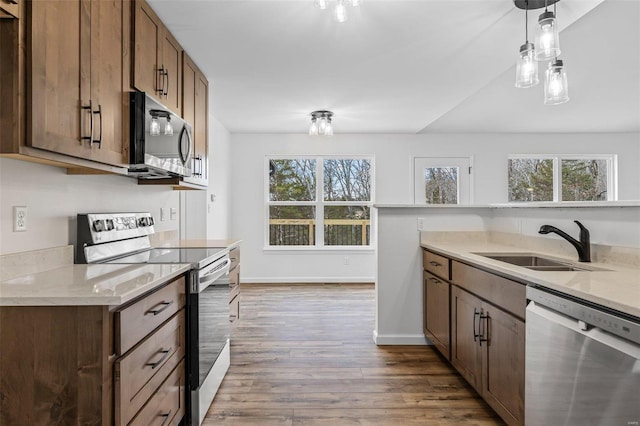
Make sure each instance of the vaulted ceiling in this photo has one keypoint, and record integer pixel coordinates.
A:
(407, 66)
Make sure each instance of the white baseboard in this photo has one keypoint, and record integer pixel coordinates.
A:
(400, 339)
(290, 280)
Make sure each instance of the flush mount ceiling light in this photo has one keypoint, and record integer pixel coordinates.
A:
(321, 123)
(340, 8)
(546, 47)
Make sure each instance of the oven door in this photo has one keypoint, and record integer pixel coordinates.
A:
(208, 334)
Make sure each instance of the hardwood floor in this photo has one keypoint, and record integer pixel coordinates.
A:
(304, 355)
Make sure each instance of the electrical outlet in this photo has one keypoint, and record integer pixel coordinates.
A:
(346, 260)
(421, 224)
(174, 213)
(19, 218)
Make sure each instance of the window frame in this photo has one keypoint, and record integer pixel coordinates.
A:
(612, 174)
(319, 204)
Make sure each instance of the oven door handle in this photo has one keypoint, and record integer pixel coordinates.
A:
(210, 277)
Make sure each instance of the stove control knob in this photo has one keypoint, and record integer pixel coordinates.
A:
(98, 225)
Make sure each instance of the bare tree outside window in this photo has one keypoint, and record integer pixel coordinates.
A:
(530, 179)
(441, 185)
(584, 180)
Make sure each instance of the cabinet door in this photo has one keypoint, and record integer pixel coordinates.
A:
(436, 315)
(9, 9)
(503, 363)
(59, 53)
(147, 34)
(109, 34)
(171, 64)
(201, 125)
(465, 350)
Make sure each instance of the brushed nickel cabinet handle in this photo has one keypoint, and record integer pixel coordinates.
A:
(485, 328)
(475, 335)
(166, 75)
(160, 80)
(154, 311)
(164, 356)
(435, 280)
(435, 263)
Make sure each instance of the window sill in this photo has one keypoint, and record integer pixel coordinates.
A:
(315, 250)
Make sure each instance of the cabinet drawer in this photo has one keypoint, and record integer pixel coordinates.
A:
(135, 321)
(502, 292)
(234, 254)
(141, 371)
(167, 405)
(436, 264)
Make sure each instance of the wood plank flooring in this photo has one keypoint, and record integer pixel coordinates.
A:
(304, 355)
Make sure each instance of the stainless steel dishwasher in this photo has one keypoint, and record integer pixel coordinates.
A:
(582, 362)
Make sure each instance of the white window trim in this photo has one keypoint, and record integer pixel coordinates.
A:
(612, 173)
(319, 204)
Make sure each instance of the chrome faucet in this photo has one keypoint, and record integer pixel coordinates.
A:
(583, 246)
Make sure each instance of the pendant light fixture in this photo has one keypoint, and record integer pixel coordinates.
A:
(321, 123)
(340, 8)
(527, 66)
(547, 37)
(546, 47)
(556, 88)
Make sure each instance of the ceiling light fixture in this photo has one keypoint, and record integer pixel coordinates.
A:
(340, 8)
(546, 47)
(321, 123)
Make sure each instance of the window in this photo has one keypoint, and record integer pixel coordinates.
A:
(562, 178)
(442, 180)
(319, 202)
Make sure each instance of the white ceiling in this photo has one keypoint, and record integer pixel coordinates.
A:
(407, 66)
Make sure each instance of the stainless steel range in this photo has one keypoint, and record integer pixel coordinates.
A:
(124, 238)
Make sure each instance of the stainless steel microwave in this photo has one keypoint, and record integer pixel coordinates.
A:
(161, 141)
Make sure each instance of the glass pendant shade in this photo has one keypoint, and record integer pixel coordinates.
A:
(328, 131)
(313, 129)
(168, 128)
(527, 67)
(556, 89)
(320, 4)
(547, 39)
(340, 11)
(154, 127)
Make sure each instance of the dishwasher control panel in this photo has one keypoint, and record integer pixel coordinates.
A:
(588, 315)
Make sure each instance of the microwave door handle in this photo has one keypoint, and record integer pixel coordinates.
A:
(184, 157)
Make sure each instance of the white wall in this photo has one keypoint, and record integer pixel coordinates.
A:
(394, 184)
(53, 200)
(218, 210)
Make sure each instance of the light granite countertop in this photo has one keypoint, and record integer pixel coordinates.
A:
(617, 287)
(96, 284)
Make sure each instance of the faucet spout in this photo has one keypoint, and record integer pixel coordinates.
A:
(583, 246)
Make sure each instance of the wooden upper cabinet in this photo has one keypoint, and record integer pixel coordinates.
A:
(77, 78)
(195, 90)
(9, 9)
(157, 62)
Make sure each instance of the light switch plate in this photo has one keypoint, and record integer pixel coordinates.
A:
(19, 218)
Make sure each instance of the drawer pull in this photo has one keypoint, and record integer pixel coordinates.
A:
(155, 311)
(164, 356)
(166, 416)
(435, 280)
(436, 264)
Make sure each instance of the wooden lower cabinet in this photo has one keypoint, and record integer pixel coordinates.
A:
(61, 365)
(487, 348)
(436, 312)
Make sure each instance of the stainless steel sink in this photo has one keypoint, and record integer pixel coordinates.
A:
(538, 263)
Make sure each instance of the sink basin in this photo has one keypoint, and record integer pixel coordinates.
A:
(538, 263)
